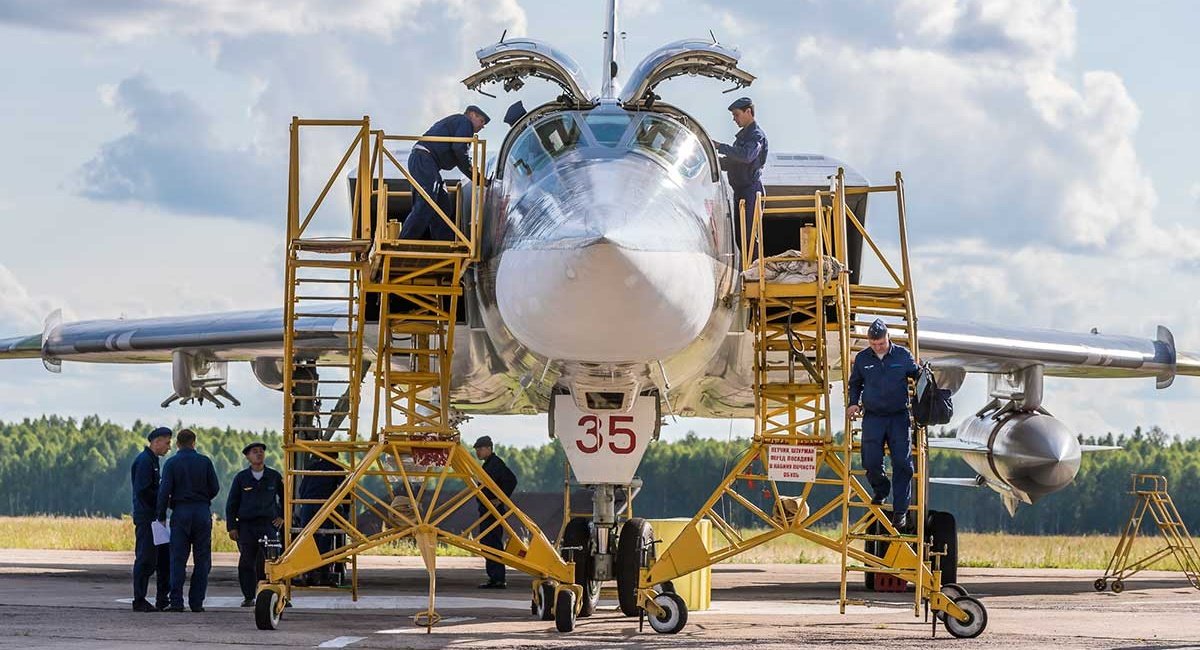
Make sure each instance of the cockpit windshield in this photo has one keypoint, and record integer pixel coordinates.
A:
(667, 139)
(661, 138)
(544, 142)
(608, 128)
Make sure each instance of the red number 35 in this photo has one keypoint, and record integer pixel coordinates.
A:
(592, 422)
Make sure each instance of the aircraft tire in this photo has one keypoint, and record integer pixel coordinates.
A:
(636, 535)
(942, 531)
(579, 533)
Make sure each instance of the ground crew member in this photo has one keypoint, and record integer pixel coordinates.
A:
(880, 379)
(507, 482)
(149, 559)
(253, 511)
(189, 484)
(743, 161)
(425, 163)
(514, 113)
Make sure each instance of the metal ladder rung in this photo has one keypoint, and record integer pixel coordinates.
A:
(910, 539)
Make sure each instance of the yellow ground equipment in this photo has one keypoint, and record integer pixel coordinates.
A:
(1150, 492)
(801, 332)
(408, 473)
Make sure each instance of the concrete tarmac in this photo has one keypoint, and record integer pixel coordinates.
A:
(77, 599)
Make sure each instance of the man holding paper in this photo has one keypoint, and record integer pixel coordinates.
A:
(150, 556)
(189, 484)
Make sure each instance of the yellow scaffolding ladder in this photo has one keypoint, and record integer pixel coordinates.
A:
(795, 328)
(410, 473)
(1152, 497)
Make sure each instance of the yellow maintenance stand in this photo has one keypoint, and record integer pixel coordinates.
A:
(408, 473)
(804, 334)
(1150, 491)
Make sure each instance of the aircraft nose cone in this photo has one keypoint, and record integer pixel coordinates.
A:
(1043, 455)
(604, 302)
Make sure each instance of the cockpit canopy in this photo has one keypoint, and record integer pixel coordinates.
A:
(603, 133)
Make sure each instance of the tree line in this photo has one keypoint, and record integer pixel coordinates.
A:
(54, 465)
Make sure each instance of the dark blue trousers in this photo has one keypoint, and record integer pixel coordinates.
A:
(191, 533)
(893, 431)
(495, 539)
(251, 560)
(422, 221)
(149, 560)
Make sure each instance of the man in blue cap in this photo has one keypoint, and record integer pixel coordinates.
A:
(743, 161)
(149, 559)
(425, 165)
(189, 484)
(507, 482)
(254, 510)
(514, 113)
(880, 380)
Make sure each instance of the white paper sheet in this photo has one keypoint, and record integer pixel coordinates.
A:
(162, 533)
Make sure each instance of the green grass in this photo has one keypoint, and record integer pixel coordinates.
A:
(107, 534)
(975, 549)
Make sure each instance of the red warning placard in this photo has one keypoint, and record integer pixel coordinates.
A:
(797, 463)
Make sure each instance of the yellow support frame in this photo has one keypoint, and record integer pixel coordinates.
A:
(791, 328)
(1150, 491)
(410, 472)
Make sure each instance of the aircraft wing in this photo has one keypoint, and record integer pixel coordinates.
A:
(227, 336)
(980, 348)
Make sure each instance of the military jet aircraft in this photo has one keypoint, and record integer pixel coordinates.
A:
(610, 281)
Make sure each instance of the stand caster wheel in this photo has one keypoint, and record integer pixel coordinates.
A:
(543, 608)
(953, 592)
(1118, 586)
(1100, 584)
(674, 616)
(266, 610)
(976, 619)
(564, 611)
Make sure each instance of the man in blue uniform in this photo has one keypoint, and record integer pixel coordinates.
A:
(425, 164)
(743, 161)
(253, 511)
(880, 380)
(514, 113)
(507, 482)
(189, 484)
(149, 559)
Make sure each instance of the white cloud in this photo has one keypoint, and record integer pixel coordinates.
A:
(1011, 149)
(173, 158)
(126, 20)
(19, 311)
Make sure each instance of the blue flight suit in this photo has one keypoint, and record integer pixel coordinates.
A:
(743, 161)
(251, 509)
(148, 559)
(883, 388)
(507, 482)
(189, 484)
(425, 163)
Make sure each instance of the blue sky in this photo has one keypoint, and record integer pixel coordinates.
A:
(1047, 148)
